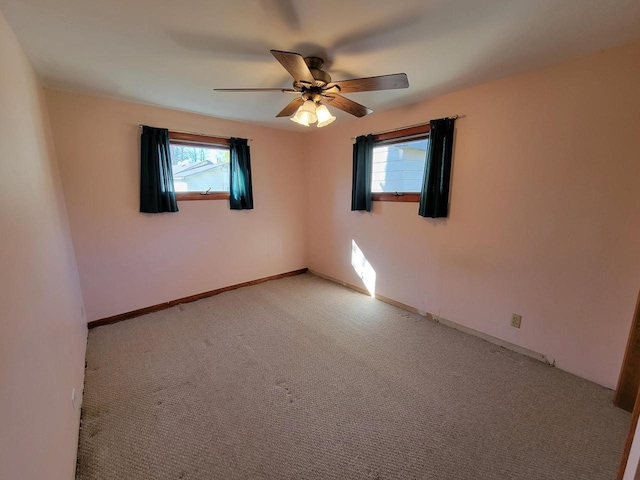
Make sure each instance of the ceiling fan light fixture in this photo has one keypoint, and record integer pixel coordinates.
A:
(307, 112)
(298, 119)
(324, 116)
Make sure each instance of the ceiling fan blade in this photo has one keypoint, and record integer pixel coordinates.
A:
(285, 10)
(349, 106)
(222, 47)
(295, 65)
(281, 90)
(391, 31)
(383, 82)
(291, 108)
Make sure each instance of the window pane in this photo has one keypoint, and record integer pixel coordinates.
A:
(399, 167)
(198, 168)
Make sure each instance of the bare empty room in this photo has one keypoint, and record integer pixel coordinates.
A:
(285, 239)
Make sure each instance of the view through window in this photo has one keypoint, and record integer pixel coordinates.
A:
(399, 166)
(199, 167)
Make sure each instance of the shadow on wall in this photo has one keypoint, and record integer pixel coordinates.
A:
(363, 268)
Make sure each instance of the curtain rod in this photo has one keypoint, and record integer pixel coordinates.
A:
(201, 134)
(454, 117)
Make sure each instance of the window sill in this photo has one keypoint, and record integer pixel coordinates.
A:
(187, 196)
(392, 197)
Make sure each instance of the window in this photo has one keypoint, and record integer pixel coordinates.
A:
(398, 164)
(200, 166)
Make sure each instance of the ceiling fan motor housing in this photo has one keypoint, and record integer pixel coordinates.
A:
(321, 77)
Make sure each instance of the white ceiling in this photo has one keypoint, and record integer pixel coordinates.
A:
(174, 53)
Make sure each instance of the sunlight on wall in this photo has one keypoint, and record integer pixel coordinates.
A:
(363, 268)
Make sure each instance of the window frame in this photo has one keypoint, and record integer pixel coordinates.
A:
(181, 138)
(418, 132)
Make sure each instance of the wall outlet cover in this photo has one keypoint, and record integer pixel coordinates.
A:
(516, 320)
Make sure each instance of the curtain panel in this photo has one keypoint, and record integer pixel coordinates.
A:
(240, 187)
(362, 168)
(434, 195)
(156, 177)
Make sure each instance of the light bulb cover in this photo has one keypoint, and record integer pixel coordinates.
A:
(324, 116)
(307, 111)
(298, 118)
(299, 122)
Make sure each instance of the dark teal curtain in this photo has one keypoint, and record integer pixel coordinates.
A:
(240, 189)
(156, 178)
(362, 165)
(434, 196)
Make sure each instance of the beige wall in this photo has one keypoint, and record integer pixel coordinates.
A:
(42, 330)
(544, 220)
(129, 260)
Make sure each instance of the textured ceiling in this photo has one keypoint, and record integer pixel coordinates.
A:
(174, 53)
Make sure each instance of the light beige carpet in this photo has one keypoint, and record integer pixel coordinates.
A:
(300, 378)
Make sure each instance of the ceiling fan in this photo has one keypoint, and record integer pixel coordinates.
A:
(315, 87)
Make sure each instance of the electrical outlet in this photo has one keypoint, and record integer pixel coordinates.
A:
(516, 320)
(73, 398)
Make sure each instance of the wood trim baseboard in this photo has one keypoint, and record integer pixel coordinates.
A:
(172, 303)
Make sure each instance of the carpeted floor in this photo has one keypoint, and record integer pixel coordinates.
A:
(300, 378)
